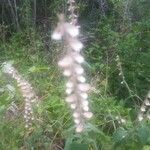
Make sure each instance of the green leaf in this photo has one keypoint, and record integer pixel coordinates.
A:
(91, 127)
(119, 135)
(77, 146)
(144, 134)
(2, 108)
(34, 69)
(146, 147)
(68, 143)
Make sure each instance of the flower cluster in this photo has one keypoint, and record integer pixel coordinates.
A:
(120, 120)
(119, 65)
(26, 90)
(76, 88)
(144, 109)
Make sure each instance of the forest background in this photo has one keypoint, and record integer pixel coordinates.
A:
(116, 35)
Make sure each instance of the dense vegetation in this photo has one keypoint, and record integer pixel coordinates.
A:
(116, 38)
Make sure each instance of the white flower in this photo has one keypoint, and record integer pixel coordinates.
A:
(77, 121)
(85, 108)
(148, 95)
(72, 30)
(85, 103)
(33, 100)
(76, 87)
(79, 59)
(56, 36)
(32, 118)
(88, 115)
(147, 102)
(76, 45)
(84, 87)
(79, 70)
(79, 128)
(70, 98)
(143, 108)
(76, 115)
(122, 82)
(67, 73)
(68, 91)
(7, 67)
(84, 95)
(73, 106)
(67, 61)
(81, 79)
(69, 84)
(148, 116)
(123, 120)
(25, 116)
(140, 117)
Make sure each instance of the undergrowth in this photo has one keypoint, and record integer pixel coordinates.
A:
(114, 125)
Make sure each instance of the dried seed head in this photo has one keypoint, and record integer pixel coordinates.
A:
(27, 92)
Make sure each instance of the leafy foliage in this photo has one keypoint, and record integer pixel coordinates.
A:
(111, 28)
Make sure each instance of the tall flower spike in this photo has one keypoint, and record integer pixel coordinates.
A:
(144, 110)
(26, 90)
(76, 88)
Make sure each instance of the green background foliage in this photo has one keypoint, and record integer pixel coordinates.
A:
(108, 28)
